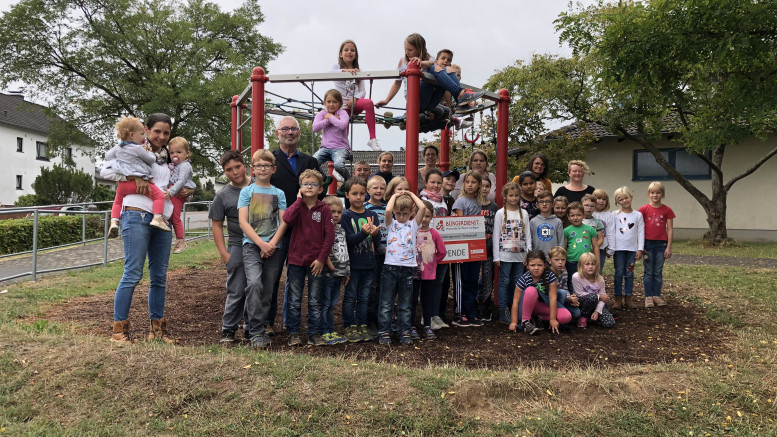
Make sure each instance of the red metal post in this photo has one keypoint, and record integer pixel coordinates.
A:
(258, 79)
(503, 117)
(333, 185)
(413, 74)
(234, 121)
(445, 153)
(240, 109)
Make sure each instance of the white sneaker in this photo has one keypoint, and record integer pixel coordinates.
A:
(437, 321)
(466, 123)
(374, 144)
(338, 176)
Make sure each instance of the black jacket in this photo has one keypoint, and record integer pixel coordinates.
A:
(284, 179)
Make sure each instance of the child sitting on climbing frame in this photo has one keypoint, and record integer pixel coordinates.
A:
(430, 95)
(333, 121)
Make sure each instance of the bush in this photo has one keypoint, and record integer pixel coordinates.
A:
(16, 234)
(28, 200)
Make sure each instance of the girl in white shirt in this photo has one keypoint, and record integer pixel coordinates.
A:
(629, 244)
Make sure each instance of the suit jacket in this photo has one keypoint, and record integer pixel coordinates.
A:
(284, 178)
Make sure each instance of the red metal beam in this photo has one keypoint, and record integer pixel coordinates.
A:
(258, 79)
(503, 117)
(413, 74)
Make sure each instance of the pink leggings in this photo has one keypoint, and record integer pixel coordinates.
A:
(128, 187)
(175, 217)
(368, 107)
(532, 304)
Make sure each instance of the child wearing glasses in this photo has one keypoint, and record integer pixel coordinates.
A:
(260, 213)
(547, 230)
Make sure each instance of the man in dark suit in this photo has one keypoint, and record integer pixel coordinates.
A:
(289, 163)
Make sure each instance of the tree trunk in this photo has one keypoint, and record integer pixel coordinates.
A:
(716, 218)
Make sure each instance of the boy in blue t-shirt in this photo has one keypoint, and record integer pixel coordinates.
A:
(260, 209)
(361, 228)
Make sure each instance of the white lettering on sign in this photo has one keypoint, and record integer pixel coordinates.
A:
(457, 252)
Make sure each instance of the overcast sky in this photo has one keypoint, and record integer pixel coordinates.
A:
(485, 36)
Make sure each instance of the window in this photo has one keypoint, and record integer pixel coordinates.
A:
(42, 151)
(19, 182)
(20, 144)
(691, 166)
(69, 153)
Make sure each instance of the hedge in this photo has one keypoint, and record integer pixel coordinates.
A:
(16, 234)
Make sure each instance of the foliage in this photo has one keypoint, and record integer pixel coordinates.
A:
(58, 184)
(28, 200)
(636, 66)
(102, 194)
(100, 60)
(16, 234)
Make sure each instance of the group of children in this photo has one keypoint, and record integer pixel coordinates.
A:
(131, 159)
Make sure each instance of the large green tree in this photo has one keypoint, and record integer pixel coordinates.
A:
(712, 65)
(97, 60)
(59, 184)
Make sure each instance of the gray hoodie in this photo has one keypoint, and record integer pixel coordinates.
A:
(546, 233)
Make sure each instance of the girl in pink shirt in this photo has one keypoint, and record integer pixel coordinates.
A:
(431, 251)
(332, 122)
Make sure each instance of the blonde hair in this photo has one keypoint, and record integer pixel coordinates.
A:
(336, 94)
(392, 185)
(601, 194)
(126, 126)
(332, 201)
(377, 180)
(419, 43)
(403, 203)
(182, 141)
(588, 197)
(586, 169)
(557, 250)
(471, 174)
(621, 192)
(311, 174)
(385, 153)
(584, 258)
(263, 155)
(656, 186)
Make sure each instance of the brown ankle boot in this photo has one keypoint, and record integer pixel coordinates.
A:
(158, 331)
(630, 304)
(616, 303)
(120, 334)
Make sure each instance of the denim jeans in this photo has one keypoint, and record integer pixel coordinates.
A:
(141, 240)
(357, 293)
(284, 251)
(602, 259)
(397, 282)
(329, 302)
(623, 259)
(571, 267)
(562, 301)
(509, 272)
(337, 156)
(234, 304)
(296, 279)
(373, 301)
(261, 274)
(431, 95)
(654, 267)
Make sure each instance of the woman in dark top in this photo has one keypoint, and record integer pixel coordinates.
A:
(540, 166)
(575, 189)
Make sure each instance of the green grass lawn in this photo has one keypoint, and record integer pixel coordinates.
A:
(737, 249)
(55, 381)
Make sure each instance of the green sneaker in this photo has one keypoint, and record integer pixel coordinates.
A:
(316, 340)
(353, 334)
(337, 338)
(365, 333)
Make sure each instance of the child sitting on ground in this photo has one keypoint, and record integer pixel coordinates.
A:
(589, 289)
(337, 273)
(558, 260)
(332, 121)
(180, 177)
(397, 280)
(132, 159)
(537, 294)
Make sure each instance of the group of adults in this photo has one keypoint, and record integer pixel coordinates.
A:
(142, 241)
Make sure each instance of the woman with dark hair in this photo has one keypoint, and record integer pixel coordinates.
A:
(141, 241)
(478, 161)
(431, 157)
(540, 166)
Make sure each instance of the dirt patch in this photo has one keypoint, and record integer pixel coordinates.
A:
(195, 300)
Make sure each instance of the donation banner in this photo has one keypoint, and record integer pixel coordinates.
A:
(464, 237)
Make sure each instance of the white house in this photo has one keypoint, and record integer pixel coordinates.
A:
(751, 203)
(24, 130)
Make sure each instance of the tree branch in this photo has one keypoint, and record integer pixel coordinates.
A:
(750, 170)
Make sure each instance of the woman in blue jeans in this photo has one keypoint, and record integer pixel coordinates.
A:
(142, 240)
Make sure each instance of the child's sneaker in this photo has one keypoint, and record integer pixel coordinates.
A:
(475, 322)
(384, 338)
(365, 333)
(337, 338)
(113, 232)
(582, 322)
(414, 333)
(462, 322)
(388, 116)
(649, 302)
(405, 339)
(353, 334)
(260, 341)
(294, 339)
(429, 333)
(180, 245)
(505, 315)
(269, 331)
(528, 327)
(657, 301)
(374, 144)
(338, 176)
(159, 223)
(227, 336)
(468, 96)
(540, 323)
(316, 340)
(437, 321)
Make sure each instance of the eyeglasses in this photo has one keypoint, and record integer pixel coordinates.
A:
(544, 202)
(287, 129)
(309, 185)
(262, 166)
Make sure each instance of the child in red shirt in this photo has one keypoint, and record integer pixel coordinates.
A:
(658, 243)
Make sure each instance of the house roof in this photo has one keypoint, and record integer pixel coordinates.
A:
(16, 112)
(575, 130)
